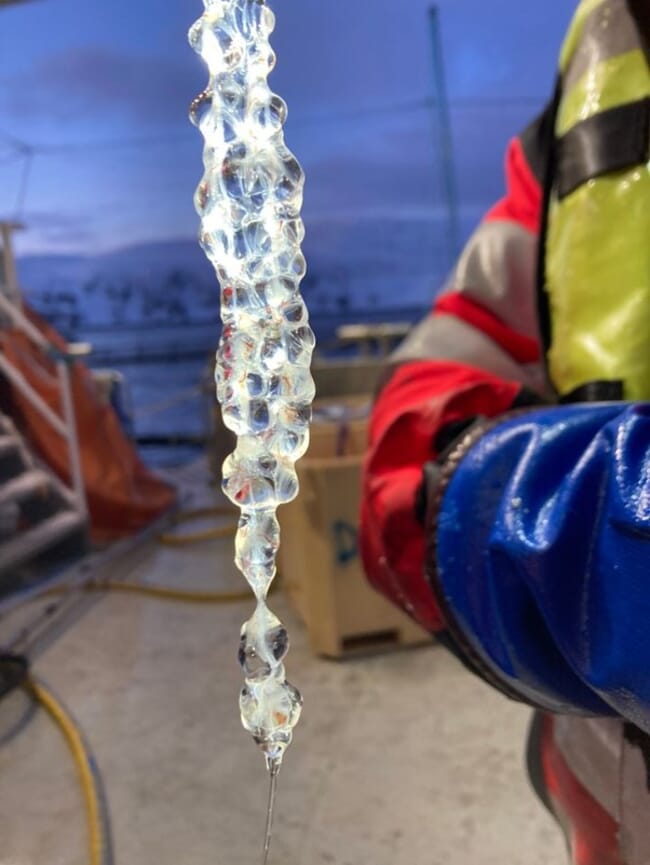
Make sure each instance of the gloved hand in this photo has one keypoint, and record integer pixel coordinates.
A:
(538, 533)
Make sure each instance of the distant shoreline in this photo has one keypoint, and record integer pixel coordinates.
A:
(168, 342)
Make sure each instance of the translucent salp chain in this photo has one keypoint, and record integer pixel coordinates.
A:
(249, 201)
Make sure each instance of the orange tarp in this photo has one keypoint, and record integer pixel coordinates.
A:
(123, 495)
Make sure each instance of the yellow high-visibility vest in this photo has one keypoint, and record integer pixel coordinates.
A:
(598, 238)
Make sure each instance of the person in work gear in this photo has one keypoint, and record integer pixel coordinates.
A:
(506, 491)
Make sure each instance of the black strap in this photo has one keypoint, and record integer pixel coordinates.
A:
(638, 739)
(640, 11)
(609, 141)
(548, 145)
(535, 141)
(596, 391)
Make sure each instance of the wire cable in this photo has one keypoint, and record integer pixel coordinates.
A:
(21, 196)
(164, 138)
(22, 723)
(169, 137)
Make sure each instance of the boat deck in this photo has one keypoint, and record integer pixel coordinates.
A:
(399, 758)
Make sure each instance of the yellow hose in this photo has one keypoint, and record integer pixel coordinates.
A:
(165, 593)
(96, 840)
(169, 539)
(74, 739)
(56, 710)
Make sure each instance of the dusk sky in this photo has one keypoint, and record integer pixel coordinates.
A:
(120, 74)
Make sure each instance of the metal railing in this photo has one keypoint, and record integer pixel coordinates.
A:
(64, 425)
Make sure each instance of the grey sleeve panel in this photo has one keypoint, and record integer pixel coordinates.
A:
(593, 748)
(497, 270)
(446, 337)
(608, 31)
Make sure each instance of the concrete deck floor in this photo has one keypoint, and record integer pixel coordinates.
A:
(400, 759)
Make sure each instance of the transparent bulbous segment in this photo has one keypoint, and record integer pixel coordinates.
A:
(249, 201)
(263, 646)
(256, 545)
(291, 444)
(270, 709)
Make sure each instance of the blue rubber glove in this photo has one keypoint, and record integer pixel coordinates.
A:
(540, 557)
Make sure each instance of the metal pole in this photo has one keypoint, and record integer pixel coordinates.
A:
(8, 263)
(445, 141)
(21, 384)
(14, 312)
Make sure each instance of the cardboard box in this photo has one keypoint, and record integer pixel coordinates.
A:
(319, 558)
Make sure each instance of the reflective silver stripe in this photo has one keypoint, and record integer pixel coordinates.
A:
(445, 337)
(635, 807)
(607, 32)
(592, 748)
(497, 270)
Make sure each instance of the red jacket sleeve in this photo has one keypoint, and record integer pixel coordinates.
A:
(472, 356)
